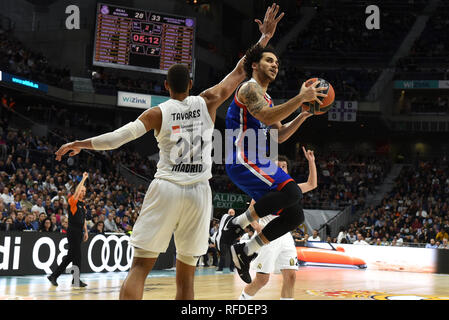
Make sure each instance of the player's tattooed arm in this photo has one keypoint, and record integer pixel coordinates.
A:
(252, 95)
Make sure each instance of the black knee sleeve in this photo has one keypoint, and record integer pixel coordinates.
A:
(272, 202)
(288, 220)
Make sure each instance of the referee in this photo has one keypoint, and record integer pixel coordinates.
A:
(77, 222)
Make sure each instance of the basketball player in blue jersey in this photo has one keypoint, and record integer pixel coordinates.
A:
(179, 199)
(274, 191)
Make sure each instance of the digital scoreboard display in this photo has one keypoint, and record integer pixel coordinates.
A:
(142, 40)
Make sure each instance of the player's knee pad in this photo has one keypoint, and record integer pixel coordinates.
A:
(190, 260)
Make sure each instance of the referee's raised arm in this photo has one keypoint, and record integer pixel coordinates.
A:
(79, 188)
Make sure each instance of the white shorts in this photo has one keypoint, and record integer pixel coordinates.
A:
(172, 208)
(280, 254)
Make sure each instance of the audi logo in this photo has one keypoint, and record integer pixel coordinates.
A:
(106, 253)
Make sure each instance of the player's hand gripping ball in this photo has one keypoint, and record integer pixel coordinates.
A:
(314, 107)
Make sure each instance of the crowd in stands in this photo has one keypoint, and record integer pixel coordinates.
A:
(414, 213)
(343, 180)
(35, 188)
(19, 60)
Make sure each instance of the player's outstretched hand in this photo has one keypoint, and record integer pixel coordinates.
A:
(311, 93)
(268, 27)
(309, 155)
(71, 146)
(85, 175)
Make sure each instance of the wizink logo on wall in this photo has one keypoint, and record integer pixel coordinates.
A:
(27, 83)
(133, 100)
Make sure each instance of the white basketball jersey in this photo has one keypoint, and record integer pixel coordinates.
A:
(185, 141)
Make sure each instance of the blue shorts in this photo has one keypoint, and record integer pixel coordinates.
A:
(254, 181)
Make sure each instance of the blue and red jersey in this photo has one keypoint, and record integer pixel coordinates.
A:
(247, 163)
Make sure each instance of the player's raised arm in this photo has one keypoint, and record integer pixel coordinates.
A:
(216, 95)
(312, 181)
(149, 119)
(252, 95)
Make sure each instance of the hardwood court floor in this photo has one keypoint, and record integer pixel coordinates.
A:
(312, 283)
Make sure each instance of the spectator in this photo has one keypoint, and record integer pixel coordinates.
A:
(444, 244)
(360, 240)
(3, 210)
(34, 220)
(18, 223)
(91, 223)
(48, 206)
(7, 196)
(303, 241)
(125, 223)
(118, 223)
(27, 223)
(121, 211)
(46, 226)
(432, 244)
(315, 236)
(39, 206)
(98, 228)
(342, 234)
(25, 203)
(42, 217)
(64, 225)
(8, 225)
(214, 228)
(351, 236)
(60, 197)
(442, 234)
(54, 222)
(109, 224)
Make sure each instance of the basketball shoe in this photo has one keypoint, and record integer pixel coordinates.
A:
(242, 261)
(228, 232)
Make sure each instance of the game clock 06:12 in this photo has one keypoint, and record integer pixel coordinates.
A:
(146, 39)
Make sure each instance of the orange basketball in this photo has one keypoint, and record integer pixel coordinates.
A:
(313, 106)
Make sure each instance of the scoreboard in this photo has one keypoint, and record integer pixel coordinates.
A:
(142, 40)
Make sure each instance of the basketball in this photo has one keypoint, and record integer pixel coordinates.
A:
(313, 106)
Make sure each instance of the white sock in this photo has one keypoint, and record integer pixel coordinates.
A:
(286, 298)
(253, 245)
(245, 296)
(244, 219)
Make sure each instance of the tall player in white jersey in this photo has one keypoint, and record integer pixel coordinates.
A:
(280, 254)
(179, 199)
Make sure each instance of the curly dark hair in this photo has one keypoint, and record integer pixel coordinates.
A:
(254, 54)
